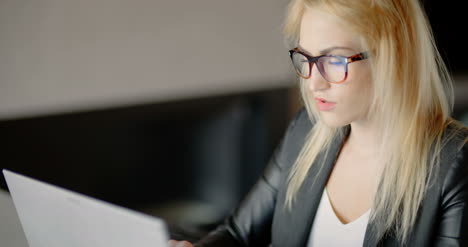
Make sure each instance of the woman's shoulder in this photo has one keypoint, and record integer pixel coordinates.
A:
(454, 157)
(294, 137)
(454, 141)
(299, 125)
(301, 121)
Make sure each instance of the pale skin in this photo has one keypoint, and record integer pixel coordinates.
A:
(353, 180)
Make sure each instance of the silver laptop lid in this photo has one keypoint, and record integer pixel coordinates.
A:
(56, 217)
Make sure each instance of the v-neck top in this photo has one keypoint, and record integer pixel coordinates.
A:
(328, 230)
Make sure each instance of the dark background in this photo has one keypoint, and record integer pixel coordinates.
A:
(449, 24)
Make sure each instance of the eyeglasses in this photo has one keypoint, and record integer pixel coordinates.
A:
(333, 68)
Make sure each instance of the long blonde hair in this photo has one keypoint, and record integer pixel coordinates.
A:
(412, 101)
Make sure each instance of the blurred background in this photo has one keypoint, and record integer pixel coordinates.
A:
(171, 108)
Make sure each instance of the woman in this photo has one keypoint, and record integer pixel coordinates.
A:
(374, 158)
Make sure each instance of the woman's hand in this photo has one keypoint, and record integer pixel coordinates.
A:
(174, 243)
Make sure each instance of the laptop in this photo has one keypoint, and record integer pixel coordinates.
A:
(56, 217)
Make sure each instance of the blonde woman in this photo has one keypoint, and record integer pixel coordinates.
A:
(374, 158)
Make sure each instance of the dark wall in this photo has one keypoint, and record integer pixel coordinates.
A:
(150, 154)
(450, 25)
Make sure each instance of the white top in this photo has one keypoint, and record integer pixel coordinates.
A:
(328, 230)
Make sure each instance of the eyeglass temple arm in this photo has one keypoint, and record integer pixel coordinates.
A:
(357, 57)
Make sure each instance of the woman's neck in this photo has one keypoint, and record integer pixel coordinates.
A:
(363, 138)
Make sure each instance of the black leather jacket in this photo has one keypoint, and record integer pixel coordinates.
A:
(261, 220)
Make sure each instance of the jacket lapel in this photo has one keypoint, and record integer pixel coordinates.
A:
(299, 220)
(292, 228)
(370, 239)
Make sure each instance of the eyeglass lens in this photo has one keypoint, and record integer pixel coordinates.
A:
(332, 69)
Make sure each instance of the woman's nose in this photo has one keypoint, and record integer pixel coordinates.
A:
(316, 81)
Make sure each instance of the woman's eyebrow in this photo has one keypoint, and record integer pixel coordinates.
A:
(328, 50)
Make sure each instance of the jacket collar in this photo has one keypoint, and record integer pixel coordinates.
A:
(308, 197)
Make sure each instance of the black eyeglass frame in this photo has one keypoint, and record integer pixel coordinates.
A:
(312, 60)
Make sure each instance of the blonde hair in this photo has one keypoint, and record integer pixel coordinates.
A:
(412, 102)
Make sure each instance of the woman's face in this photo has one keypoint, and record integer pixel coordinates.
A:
(322, 33)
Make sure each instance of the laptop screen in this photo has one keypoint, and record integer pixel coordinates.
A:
(55, 217)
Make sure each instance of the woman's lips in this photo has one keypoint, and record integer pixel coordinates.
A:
(324, 105)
